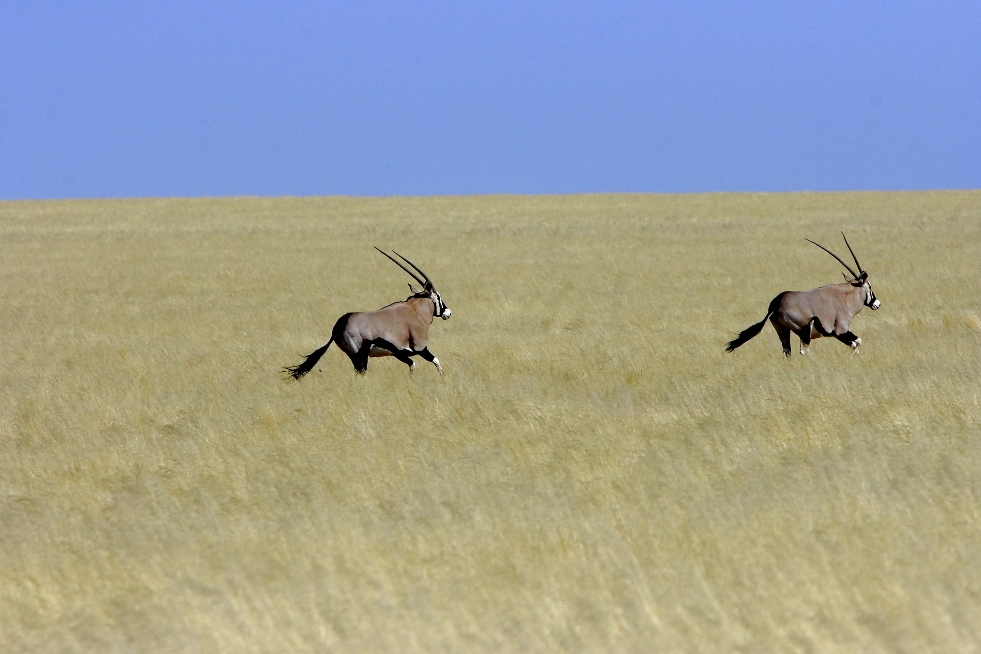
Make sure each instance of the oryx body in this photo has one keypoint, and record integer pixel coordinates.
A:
(400, 329)
(824, 311)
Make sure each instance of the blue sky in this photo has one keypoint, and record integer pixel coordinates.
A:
(133, 99)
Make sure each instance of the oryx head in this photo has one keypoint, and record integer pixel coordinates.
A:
(428, 290)
(859, 280)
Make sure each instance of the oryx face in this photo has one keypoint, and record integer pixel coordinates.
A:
(871, 301)
(439, 308)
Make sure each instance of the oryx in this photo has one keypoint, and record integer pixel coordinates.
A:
(824, 311)
(400, 330)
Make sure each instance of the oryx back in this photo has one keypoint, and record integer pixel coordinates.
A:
(404, 325)
(833, 305)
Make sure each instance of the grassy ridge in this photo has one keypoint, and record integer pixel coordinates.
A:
(591, 473)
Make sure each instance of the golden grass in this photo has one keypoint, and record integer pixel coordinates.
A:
(592, 473)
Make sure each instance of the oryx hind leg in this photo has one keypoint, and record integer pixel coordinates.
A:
(805, 337)
(784, 334)
(428, 356)
(405, 358)
(360, 359)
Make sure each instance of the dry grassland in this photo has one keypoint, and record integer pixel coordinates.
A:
(592, 473)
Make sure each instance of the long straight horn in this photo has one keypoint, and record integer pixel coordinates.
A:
(854, 276)
(411, 274)
(853, 254)
(428, 281)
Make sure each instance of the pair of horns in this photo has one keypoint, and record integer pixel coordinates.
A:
(425, 282)
(854, 276)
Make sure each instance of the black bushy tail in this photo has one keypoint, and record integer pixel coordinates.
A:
(746, 334)
(298, 371)
(753, 330)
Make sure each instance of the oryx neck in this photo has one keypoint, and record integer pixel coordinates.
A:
(424, 305)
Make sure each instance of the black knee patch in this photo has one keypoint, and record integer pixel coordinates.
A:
(820, 328)
(401, 355)
(382, 343)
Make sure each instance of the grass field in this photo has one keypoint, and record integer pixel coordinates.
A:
(592, 473)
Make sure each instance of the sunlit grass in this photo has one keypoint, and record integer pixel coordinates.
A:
(591, 472)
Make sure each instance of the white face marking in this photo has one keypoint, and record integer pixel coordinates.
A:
(441, 309)
(870, 295)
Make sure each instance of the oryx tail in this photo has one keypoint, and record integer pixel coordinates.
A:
(298, 371)
(750, 332)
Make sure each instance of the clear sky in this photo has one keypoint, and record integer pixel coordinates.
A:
(197, 98)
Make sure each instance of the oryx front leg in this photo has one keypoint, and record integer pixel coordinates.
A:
(406, 359)
(428, 356)
(851, 340)
(383, 348)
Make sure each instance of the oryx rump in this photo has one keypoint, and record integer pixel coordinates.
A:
(400, 330)
(824, 311)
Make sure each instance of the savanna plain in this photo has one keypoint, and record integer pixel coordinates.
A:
(591, 473)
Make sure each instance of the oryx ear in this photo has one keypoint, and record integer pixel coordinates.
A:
(414, 291)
